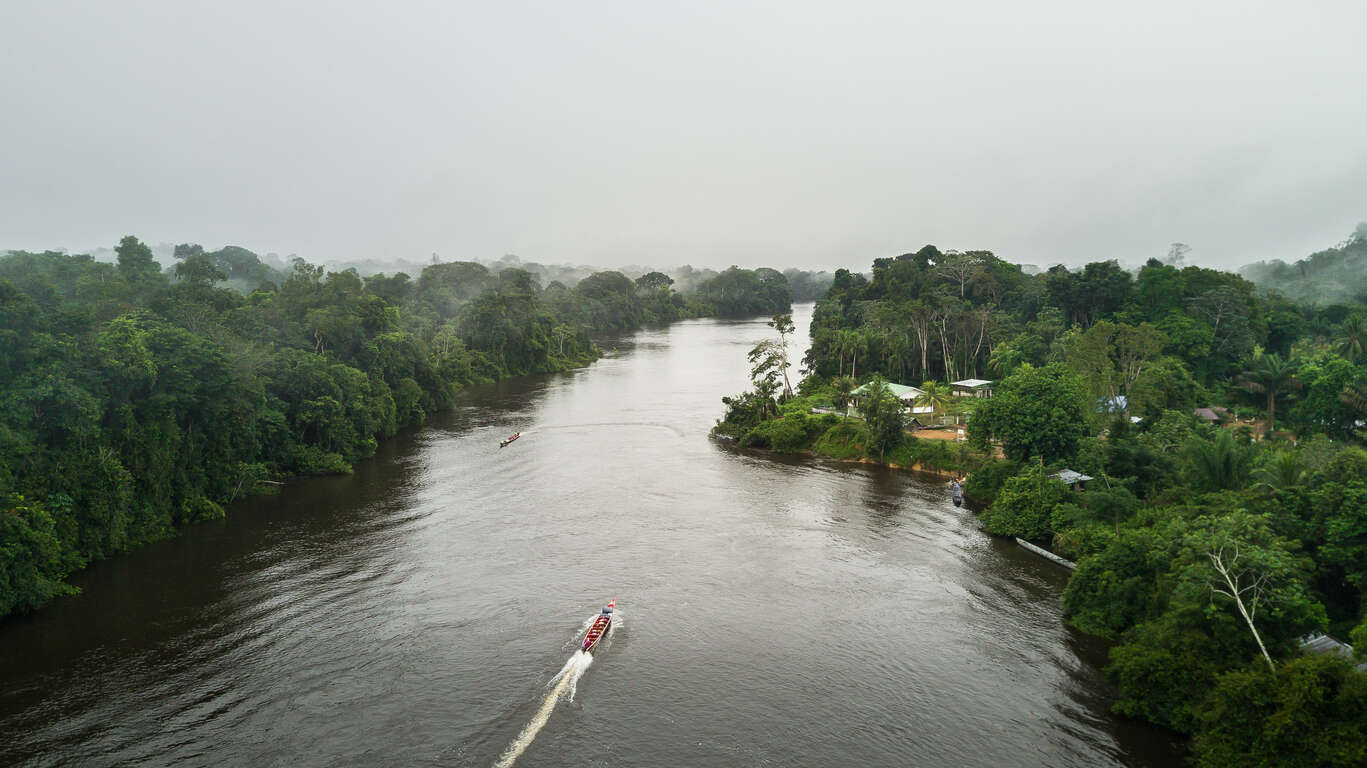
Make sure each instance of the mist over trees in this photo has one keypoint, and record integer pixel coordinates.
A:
(1335, 275)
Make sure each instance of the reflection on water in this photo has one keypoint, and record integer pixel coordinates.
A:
(784, 611)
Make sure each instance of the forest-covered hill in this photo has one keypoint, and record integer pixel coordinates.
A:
(1335, 275)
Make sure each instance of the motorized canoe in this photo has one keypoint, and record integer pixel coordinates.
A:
(599, 628)
(509, 439)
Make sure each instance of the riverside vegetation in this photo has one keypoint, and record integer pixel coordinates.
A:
(1205, 551)
(136, 400)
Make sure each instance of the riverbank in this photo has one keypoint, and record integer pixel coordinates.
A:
(916, 467)
(794, 428)
(445, 581)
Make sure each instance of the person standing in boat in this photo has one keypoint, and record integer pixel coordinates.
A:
(956, 491)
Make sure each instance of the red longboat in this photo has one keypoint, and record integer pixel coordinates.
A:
(600, 627)
(510, 439)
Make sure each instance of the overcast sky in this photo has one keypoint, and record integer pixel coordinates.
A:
(780, 133)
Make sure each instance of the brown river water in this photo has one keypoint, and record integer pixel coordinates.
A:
(773, 611)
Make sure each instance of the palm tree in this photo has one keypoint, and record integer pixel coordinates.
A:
(843, 343)
(935, 395)
(898, 348)
(1279, 472)
(1270, 374)
(1219, 465)
(1353, 345)
(1004, 359)
(859, 342)
(841, 387)
(1355, 396)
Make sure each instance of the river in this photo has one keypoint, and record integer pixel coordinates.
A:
(773, 611)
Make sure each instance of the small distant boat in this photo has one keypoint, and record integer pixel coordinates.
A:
(509, 439)
(956, 492)
(600, 627)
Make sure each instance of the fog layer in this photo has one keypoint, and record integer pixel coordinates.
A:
(804, 134)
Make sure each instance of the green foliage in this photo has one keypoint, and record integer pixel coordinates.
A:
(1269, 575)
(1202, 552)
(1166, 666)
(136, 263)
(1352, 344)
(791, 433)
(988, 480)
(1270, 375)
(1320, 409)
(737, 292)
(1035, 412)
(1218, 464)
(1116, 588)
(942, 455)
(1109, 358)
(1310, 713)
(1358, 639)
(1024, 505)
(131, 404)
(847, 440)
(882, 412)
(744, 412)
(1198, 546)
(841, 387)
(32, 560)
(1345, 531)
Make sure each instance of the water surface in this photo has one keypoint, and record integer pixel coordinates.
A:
(775, 612)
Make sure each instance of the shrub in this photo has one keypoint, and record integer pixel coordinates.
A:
(846, 440)
(987, 481)
(1024, 505)
(794, 432)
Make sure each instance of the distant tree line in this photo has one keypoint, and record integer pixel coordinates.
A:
(134, 400)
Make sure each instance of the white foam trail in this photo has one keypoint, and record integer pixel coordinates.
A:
(574, 670)
(566, 679)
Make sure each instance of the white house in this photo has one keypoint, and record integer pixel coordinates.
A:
(903, 393)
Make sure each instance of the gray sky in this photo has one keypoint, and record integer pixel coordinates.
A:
(784, 133)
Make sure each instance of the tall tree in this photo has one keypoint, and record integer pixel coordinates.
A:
(1269, 374)
(135, 260)
(1111, 357)
(936, 395)
(882, 411)
(959, 269)
(1033, 412)
(841, 387)
(783, 324)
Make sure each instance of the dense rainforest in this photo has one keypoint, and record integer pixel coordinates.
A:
(134, 400)
(1225, 515)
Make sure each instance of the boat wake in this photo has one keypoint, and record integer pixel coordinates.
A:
(565, 681)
